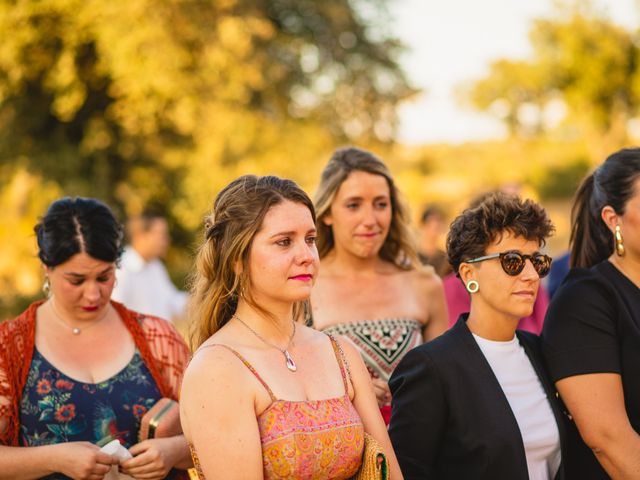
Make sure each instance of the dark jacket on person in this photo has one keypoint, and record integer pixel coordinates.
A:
(451, 419)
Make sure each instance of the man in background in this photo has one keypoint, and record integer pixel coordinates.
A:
(430, 239)
(143, 283)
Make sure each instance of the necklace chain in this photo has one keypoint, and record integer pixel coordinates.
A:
(291, 365)
(75, 330)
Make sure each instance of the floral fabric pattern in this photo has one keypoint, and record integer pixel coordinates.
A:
(56, 408)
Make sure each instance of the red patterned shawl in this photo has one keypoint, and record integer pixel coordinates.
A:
(161, 347)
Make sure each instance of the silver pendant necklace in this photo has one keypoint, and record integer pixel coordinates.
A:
(291, 365)
(76, 330)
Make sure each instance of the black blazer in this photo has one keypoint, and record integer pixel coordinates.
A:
(451, 419)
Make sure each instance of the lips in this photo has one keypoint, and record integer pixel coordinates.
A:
(367, 235)
(90, 309)
(525, 293)
(307, 277)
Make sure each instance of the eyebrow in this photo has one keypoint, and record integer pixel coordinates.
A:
(291, 233)
(80, 275)
(358, 197)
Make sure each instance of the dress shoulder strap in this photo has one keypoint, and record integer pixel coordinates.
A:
(342, 363)
(248, 365)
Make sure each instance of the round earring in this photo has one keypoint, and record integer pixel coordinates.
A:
(472, 286)
(46, 287)
(619, 242)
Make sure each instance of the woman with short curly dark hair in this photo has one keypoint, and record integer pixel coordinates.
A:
(475, 402)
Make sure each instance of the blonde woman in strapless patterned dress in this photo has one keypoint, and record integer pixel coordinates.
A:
(371, 288)
(265, 397)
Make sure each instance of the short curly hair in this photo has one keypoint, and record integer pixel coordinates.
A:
(497, 213)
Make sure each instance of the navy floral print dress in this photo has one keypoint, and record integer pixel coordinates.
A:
(56, 408)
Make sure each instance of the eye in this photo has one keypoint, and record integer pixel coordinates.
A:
(76, 282)
(381, 205)
(285, 242)
(104, 278)
(352, 205)
(311, 240)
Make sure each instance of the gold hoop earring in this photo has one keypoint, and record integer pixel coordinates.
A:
(472, 286)
(46, 287)
(619, 242)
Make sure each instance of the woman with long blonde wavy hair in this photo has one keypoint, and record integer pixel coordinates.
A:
(371, 288)
(265, 396)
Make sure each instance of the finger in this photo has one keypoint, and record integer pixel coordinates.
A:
(138, 461)
(100, 469)
(105, 458)
(138, 448)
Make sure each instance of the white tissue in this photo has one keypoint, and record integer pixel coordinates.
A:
(115, 449)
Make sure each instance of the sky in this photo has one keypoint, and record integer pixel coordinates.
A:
(451, 42)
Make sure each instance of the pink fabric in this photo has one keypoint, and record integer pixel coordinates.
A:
(458, 303)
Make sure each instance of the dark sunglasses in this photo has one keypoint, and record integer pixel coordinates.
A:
(513, 262)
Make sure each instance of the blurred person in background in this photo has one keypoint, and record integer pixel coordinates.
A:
(476, 402)
(432, 227)
(265, 396)
(77, 369)
(591, 338)
(371, 287)
(459, 300)
(143, 281)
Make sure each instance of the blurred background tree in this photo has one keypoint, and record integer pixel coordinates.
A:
(161, 103)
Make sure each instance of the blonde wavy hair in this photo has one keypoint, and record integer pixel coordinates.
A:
(399, 247)
(229, 230)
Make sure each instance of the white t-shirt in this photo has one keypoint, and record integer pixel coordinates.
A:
(529, 404)
(146, 287)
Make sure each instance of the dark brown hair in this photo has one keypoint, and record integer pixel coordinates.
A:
(610, 184)
(478, 226)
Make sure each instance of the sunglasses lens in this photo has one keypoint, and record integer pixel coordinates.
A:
(512, 263)
(542, 264)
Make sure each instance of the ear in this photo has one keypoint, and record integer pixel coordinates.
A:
(609, 217)
(327, 219)
(467, 272)
(237, 267)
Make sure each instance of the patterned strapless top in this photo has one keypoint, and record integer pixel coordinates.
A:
(382, 343)
(310, 439)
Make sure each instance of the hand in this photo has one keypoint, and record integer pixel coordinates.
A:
(82, 461)
(152, 459)
(382, 391)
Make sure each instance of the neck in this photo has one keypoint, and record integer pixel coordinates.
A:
(275, 328)
(492, 326)
(142, 252)
(628, 266)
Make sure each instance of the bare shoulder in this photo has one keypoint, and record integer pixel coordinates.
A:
(426, 279)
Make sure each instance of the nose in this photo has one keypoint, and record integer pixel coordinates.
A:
(306, 253)
(369, 216)
(529, 272)
(92, 291)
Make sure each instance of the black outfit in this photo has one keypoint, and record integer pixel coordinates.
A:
(451, 419)
(593, 326)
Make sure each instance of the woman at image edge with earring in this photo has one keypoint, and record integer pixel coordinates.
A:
(476, 401)
(77, 370)
(591, 337)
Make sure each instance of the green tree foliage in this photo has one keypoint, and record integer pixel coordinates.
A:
(582, 59)
(107, 98)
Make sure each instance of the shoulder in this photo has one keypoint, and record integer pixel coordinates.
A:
(213, 369)
(582, 290)
(12, 329)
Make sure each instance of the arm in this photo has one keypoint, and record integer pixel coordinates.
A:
(438, 318)
(218, 416)
(364, 400)
(596, 402)
(418, 420)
